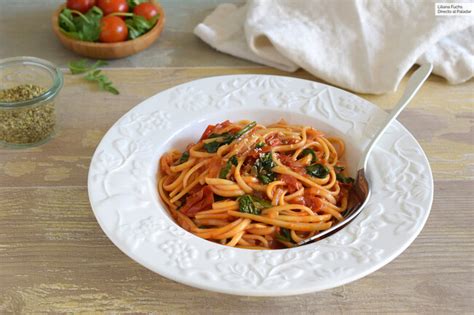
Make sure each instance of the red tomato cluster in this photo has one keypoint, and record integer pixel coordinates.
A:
(113, 27)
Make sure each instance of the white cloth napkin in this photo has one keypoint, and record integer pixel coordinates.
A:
(364, 46)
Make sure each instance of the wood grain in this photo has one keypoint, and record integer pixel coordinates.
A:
(55, 258)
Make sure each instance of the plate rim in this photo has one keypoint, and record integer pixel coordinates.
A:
(281, 292)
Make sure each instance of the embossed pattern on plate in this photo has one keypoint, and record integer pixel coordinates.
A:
(122, 186)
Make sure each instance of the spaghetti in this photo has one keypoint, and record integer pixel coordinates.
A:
(251, 186)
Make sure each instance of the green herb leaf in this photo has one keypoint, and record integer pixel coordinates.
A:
(317, 170)
(80, 26)
(184, 157)
(226, 169)
(263, 167)
(104, 82)
(92, 74)
(219, 198)
(66, 21)
(252, 204)
(260, 145)
(234, 160)
(216, 135)
(182, 201)
(244, 130)
(339, 169)
(265, 179)
(81, 66)
(212, 147)
(310, 151)
(284, 235)
(343, 179)
(133, 3)
(138, 25)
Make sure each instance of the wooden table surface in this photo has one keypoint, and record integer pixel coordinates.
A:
(55, 258)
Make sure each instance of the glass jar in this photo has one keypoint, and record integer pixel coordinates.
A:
(28, 88)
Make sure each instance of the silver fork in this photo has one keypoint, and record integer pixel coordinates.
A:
(360, 193)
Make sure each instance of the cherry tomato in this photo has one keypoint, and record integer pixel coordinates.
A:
(113, 29)
(112, 6)
(80, 5)
(146, 9)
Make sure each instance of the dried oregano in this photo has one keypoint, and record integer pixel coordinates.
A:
(27, 124)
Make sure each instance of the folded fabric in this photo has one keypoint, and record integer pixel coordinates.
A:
(364, 46)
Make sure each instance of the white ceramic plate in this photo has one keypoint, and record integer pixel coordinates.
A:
(122, 186)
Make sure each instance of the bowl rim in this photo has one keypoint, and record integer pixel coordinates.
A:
(159, 24)
(192, 277)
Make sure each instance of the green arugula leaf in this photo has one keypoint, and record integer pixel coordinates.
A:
(244, 130)
(104, 82)
(265, 179)
(339, 169)
(133, 3)
(216, 135)
(138, 25)
(212, 147)
(343, 179)
(312, 152)
(219, 198)
(284, 235)
(81, 66)
(92, 74)
(184, 157)
(226, 169)
(317, 170)
(80, 26)
(66, 21)
(263, 167)
(252, 204)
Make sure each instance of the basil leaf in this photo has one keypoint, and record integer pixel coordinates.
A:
(252, 204)
(184, 157)
(317, 170)
(260, 145)
(226, 169)
(312, 152)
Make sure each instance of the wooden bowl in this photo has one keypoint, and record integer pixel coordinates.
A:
(98, 50)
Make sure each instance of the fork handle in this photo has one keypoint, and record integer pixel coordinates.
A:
(413, 85)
